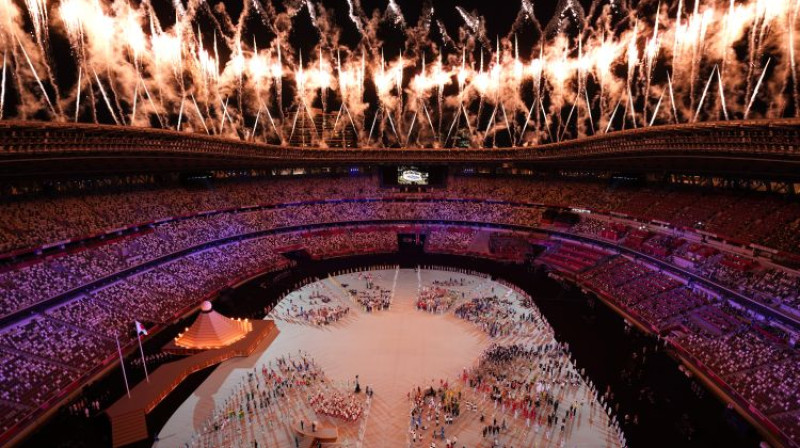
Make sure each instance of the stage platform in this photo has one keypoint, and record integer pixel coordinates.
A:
(128, 423)
(324, 433)
(393, 351)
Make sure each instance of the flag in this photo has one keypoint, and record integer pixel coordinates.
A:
(140, 330)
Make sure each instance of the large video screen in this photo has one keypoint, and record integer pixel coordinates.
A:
(413, 176)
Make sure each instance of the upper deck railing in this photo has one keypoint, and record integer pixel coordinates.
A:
(772, 139)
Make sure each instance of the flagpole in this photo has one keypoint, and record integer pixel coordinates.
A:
(141, 350)
(122, 364)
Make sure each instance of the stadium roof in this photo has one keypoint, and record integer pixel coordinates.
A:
(755, 148)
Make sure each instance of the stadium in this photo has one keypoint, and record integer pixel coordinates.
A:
(399, 223)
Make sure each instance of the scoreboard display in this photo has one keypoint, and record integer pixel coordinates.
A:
(413, 176)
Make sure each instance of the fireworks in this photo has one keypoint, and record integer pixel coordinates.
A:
(3, 87)
(131, 70)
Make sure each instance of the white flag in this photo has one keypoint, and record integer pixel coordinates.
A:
(140, 330)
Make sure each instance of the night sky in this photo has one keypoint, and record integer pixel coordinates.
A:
(499, 17)
(219, 21)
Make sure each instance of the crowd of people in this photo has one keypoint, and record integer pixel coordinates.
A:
(110, 288)
(499, 316)
(40, 280)
(768, 284)
(317, 309)
(759, 365)
(287, 392)
(526, 390)
(432, 409)
(529, 384)
(346, 242)
(769, 220)
(489, 314)
(324, 315)
(44, 337)
(572, 257)
(452, 282)
(161, 293)
(372, 297)
(450, 240)
(67, 342)
(40, 221)
(337, 404)
(436, 299)
(315, 303)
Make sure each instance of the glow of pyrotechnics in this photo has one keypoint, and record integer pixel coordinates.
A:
(36, 75)
(224, 114)
(546, 124)
(3, 87)
(105, 97)
(569, 117)
(78, 98)
(255, 125)
(133, 111)
(655, 111)
(527, 120)
(672, 98)
(589, 109)
(566, 79)
(150, 100)
(180, 115)
(38, 12)
(705, 91)
(631, 108)
(272, 122)
(199, 114)
(613, 114)
(722, 94)
(755, 91)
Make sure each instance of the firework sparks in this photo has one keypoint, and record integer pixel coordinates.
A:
(571, 79)
(3, 87)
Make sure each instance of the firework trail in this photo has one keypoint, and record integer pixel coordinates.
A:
(3, 86)
(245, 70)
